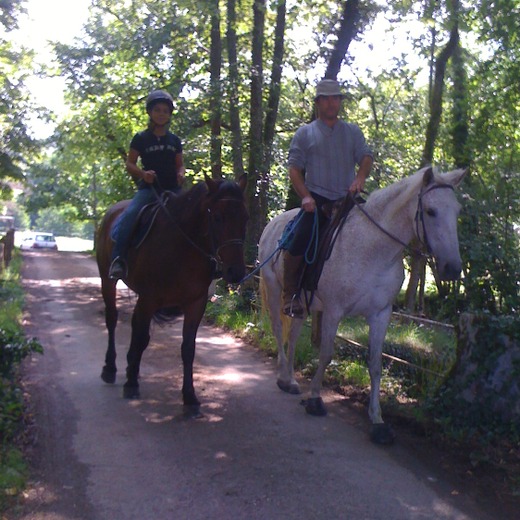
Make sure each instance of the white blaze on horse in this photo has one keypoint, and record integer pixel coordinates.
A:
(364, 274)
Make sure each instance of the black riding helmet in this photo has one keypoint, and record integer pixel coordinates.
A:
(159, 96)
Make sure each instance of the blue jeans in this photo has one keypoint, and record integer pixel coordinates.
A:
(124, 224)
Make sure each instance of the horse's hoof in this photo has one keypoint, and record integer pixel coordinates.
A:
(108, 375)
(192, 411)
(131, 392)
(382, 433)
(314, 406)
(290, 388)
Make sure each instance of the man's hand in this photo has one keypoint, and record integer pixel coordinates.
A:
(358, 185)
(309, 204)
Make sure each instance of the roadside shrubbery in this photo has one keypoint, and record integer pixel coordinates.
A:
(14, 347)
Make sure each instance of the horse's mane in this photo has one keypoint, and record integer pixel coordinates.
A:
(187, 204)
(406, 187)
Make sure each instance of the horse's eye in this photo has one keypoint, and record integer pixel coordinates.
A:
(431, 212)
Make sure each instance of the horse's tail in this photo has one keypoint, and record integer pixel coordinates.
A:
(286, 321)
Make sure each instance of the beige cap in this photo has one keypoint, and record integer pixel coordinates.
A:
(328, 87)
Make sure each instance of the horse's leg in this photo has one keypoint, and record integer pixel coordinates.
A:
(291, 385)
(192, 317)
(314, 405)
(378, 324)
(271, 295)
(141, 318)
(108, 290)
(316, 329)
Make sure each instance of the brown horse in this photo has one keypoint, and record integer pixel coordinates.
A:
(194, 237)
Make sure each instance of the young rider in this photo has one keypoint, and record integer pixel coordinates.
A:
(162, 168)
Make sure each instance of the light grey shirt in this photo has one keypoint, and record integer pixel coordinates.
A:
(328, 156)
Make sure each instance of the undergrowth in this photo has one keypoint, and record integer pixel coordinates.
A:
(14, 347)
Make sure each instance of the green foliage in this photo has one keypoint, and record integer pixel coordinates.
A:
(428, 353)
(14, 347)
(63, 221)
(13, 474)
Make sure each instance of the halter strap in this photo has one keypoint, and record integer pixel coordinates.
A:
(419, 216)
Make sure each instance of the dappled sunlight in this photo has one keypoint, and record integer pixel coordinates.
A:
(442, 509)
(59, 282)
(218, 340)
(219, 455)
(157, 418)
(232, 376)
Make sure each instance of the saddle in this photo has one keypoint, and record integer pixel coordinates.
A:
(336, 213)
(146, 218)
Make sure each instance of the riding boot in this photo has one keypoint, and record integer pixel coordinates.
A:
(292, 270)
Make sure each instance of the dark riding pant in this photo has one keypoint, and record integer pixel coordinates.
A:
(303, 231)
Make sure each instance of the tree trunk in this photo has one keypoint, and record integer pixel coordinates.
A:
(459, 117)
(234, 111)
(254, 228)
(346, 33)
(215, 92)
(436, 96)
(272, 110)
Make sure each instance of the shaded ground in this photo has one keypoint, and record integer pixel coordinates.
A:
(490, 475)
(256, 454)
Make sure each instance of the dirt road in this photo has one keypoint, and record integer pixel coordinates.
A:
(255, 455)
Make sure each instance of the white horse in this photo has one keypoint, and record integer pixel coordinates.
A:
(364, 273)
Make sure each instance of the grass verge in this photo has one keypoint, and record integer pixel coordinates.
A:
(14, 347)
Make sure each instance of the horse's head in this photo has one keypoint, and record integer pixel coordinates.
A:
(227, 218)
(436, 220)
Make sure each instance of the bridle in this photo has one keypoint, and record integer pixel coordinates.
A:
(419, 220)
(419, 216)
(214, 255)
(226, 243)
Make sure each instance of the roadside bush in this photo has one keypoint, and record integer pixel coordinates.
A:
(14, 347)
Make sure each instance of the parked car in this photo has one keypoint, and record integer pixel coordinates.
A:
(39, 241)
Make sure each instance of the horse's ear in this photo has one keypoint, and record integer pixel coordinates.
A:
(428, 176)
(456, 176)
(212, 185)
(242, 182)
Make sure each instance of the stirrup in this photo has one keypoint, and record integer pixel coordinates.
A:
(117, 269)
(294, 308)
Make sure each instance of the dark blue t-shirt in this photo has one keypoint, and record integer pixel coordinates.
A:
(158, 153)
